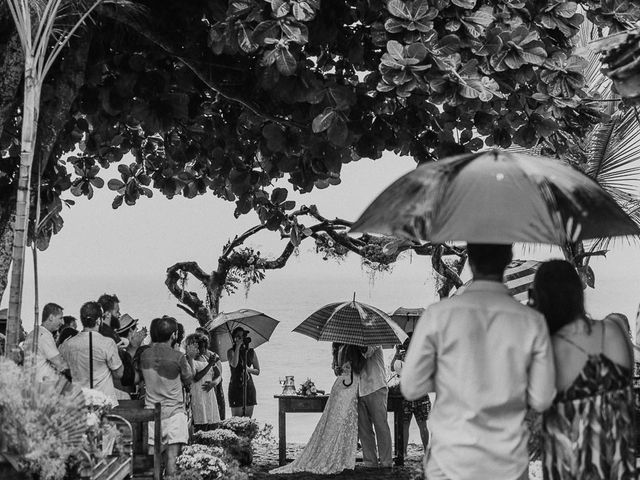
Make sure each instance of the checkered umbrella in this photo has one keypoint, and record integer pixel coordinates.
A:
(353, 323)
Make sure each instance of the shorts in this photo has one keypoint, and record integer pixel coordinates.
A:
(421, 408)
(175, 429)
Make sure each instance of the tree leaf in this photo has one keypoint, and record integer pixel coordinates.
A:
(279, 195)
(400, 9)
(244, 40)
(285, 61)
(466, 4)
(324, 120)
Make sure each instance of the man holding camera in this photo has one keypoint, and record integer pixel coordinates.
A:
(243, 363)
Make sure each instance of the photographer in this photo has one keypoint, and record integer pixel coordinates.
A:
(243, 363)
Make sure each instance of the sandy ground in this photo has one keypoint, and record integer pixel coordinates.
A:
(266, 458)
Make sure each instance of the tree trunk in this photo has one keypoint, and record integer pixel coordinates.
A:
(12, 68)
(28, 140)
(6, 243)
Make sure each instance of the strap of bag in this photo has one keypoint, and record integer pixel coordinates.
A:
(90, 360)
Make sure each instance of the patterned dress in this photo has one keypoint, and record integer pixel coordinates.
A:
(332, 446)
(588, 432)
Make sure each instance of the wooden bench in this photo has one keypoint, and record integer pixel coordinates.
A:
(145, 466)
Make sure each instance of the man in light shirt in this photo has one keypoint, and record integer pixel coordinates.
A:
(88, 350)
(49, 364)
(488, 358)
(372, 411)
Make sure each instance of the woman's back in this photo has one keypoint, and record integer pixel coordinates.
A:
(588, 431)
(582, 344)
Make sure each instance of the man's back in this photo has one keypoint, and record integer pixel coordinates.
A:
(487, 358)
(75, 351)
(46, 350)
(164, 371)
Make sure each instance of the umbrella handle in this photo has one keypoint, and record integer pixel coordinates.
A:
(350, 383)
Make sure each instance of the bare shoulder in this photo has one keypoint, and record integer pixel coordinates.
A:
(617, 345)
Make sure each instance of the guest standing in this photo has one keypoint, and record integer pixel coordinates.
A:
(48, 362)
(93, 358)
(219, 389)
(487, 358)
(164, 372)
(110, 305)
(242, 392)
(589, 431)
(68, 329)
(372, 411)
(204, 406)
(419, 409)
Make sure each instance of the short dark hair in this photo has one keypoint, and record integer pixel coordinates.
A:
(69, 319)
(107, 302)
(90, 312)
(50, 309)
(238, 329)
(557, 294)
(489, 258)
(162, 328)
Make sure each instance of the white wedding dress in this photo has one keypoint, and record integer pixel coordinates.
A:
(332, 447)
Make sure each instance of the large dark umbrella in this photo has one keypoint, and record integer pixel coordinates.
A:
(496, 197)
(352, 323)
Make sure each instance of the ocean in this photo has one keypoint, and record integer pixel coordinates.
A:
(290, 295)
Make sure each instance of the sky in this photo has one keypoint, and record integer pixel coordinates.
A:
(143, 240)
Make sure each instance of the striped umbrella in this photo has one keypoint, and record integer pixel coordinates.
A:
(518, 277)
(353, 323)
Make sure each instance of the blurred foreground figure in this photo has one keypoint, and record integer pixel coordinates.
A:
(488, 358)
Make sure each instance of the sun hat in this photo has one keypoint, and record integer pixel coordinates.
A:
(126, 322)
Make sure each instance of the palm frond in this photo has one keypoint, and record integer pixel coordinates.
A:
(613, 155)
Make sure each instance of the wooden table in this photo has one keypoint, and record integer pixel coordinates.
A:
(302, 404)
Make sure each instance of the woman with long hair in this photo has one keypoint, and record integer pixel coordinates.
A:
(332, 447)
(588, 430)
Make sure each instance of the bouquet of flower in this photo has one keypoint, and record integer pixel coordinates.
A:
(204, 460)
(241, 426)
(221, 437)
(308, 389)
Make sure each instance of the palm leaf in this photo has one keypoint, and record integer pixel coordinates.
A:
(613, 155)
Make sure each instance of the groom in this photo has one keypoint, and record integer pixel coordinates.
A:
(372, 411)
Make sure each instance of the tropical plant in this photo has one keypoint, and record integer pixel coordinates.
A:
(225, 97)
(44, 28)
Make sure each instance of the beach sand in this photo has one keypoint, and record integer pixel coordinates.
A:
(266, 458)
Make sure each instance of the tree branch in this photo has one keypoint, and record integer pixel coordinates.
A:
(174, 275)
(239, 239)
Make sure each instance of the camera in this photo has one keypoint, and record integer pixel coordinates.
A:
(246, 340)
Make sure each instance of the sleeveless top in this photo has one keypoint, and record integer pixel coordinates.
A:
(588, 432)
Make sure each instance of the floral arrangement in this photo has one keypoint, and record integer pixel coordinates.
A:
(42, 423)
(221, 437)
(204, 460)
(309, 389)
(241, 426)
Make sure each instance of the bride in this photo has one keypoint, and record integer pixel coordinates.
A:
(332, 447)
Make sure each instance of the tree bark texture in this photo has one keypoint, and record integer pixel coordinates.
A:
(28, 140)
(12, 68)
(7, 220)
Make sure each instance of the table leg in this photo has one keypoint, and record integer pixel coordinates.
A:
(398, 435)
(282, 434)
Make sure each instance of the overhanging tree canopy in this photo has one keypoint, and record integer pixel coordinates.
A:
(225, 96)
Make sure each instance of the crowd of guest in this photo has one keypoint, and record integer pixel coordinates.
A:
(109, 352)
